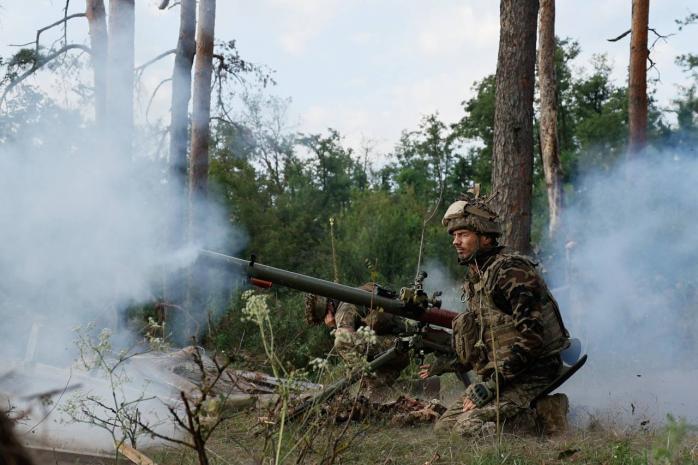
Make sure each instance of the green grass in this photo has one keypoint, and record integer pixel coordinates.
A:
(379, 443)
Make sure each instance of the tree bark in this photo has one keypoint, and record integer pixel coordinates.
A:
(512, 157)
(120, 77)
(637, 78)
(181, 91)
(550, 149)
(175, 287)
(97, 22)
(198, 161)
(201, 106)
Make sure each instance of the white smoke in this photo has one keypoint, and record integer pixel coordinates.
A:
(440, 280)
(84, 235)
(633, 301)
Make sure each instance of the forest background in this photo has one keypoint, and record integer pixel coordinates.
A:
(311, 202)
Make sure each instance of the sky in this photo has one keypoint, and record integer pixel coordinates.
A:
(372, 69)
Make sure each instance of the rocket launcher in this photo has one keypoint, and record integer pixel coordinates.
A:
(411, 302)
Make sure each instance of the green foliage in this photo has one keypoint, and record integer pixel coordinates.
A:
(475, 131)
(296, 342)
(668, 449)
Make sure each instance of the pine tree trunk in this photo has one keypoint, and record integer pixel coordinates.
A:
(120, 77)
(198, 163)
(97, 22)
(181, 92)
(512, 158)
(203, 69)
(550, 149)
(637, 78)
(175, 287)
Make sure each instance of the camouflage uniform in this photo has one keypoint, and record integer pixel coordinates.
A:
(348, 319)
(513, 323)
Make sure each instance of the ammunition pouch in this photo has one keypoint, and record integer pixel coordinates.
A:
(465, 335)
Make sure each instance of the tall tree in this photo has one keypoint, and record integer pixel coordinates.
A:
(512, 157)
(120, 77)
(179, 141)
(97, 22)
(550, 148)
(637, 77)
(181, 91)
(200, 135)
(201, 110)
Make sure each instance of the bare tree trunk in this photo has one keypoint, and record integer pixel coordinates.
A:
(203, 69)
(512, 158)
(120, 77)
(200, 134)
(174, 292)
(550, 149)
(96, 19)
(181, 91)
(637, 77)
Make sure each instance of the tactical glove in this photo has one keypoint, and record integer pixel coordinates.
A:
(481, 393)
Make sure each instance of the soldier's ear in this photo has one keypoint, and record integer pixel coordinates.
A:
(485, 241)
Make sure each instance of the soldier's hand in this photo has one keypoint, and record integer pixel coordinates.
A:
(480, 393)
(424, 371)
(468, 404)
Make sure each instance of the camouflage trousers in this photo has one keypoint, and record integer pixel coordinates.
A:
(515, 412)
(377, 385)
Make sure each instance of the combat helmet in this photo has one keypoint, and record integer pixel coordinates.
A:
(473, 213)
(316, 307)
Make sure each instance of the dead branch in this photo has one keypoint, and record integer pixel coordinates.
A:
(166, 4)
(658, 37)
(155, 434)
(40, 63)
(63, 20)
(616, 39)
(152, 96)
(141, 68)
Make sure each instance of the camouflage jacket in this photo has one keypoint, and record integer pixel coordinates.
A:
(525, 321)
(349, 318)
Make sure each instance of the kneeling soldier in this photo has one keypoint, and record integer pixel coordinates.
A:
(347, 320)
(511, 334)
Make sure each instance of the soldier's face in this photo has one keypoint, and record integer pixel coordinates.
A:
(466, 243)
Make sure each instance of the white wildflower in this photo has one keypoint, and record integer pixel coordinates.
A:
(365, 335)
(256, 307)
(344, 338)
(319, 364)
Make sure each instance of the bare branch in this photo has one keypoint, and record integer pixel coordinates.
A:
(163, 4)
(659, 36)
(57, 23)
(152, 96)
(21, 45)
(139, 69)
(155, 434)
(40, 63)
(619, 37)
(65, 22)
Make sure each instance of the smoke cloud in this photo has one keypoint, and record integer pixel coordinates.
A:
(632, 294)
(84, 235)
